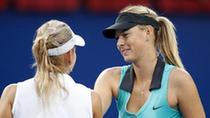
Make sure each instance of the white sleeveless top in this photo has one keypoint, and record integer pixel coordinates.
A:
(76, 104)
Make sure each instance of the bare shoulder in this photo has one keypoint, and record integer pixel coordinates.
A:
(8, 96)
(181, 78)
(6, 101)
(186, 94)
(110, 73)
(9, 93)
(107, 83)
(181, 81)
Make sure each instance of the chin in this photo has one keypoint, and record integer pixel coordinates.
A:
(129, 60)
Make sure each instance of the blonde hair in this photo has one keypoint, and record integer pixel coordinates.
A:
(51, 34)
(165, 41)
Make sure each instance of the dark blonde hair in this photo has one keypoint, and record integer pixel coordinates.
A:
(165, 41)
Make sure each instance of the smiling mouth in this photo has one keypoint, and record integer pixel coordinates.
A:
(124, 52)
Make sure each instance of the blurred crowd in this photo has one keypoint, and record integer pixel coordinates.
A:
(106, 6)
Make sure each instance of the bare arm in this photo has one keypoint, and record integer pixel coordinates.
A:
(96, 104)
(188, 97)
(103, 88)
(107, 86)
(6, 101)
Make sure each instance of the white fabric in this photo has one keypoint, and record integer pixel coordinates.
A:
(76, 105)
(76, 40)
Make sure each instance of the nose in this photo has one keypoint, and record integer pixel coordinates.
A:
(120, 42)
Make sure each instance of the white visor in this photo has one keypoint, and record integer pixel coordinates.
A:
(76, 40)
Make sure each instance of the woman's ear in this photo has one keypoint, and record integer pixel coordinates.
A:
(149, 29)
(149, 32)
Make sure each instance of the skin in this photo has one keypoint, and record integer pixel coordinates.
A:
(7, 100)
(96, 105)
(137, 47)
(8, 95)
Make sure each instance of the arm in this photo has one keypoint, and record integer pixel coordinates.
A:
(103, 88)
(96, 105)
(187, 95)
(106, 86)
(6, 101)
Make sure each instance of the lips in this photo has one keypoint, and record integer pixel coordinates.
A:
(124, 51)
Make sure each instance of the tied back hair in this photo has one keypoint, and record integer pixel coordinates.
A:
(52, 34)
(165, 41)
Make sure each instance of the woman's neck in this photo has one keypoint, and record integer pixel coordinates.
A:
(144, 68)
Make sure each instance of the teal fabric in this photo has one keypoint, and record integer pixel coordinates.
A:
(157, 98)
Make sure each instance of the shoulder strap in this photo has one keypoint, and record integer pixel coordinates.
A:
(127, 79)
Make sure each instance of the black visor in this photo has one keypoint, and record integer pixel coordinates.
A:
(128, 20)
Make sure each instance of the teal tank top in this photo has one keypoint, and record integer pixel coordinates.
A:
(156, 105)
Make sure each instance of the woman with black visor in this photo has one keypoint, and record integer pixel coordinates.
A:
(155, 84)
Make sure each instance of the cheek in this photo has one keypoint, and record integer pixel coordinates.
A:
(141, 40)
(141, 34)
(73, 57)
(74, 54)
(138, 46)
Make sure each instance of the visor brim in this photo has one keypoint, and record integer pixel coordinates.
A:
(110, 31)
(79, 41)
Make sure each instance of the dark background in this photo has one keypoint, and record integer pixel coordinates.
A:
(18, 25)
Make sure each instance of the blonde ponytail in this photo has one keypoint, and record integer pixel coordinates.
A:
(167, 43)
(45, 78)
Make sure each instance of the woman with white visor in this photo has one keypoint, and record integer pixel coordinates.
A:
(51, 93)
